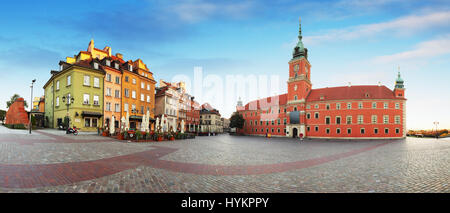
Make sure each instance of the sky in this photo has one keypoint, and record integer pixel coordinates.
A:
(358, 41)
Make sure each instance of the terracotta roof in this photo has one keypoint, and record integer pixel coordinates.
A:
(266, 102)
(161, 91)
(351, 92)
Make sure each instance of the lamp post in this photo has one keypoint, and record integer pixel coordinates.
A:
(436, 125)
(31, 104)
(69, 101)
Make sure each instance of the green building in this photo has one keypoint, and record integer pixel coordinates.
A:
(75, 92)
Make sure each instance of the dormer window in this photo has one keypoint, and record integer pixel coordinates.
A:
(131, 67)
(61, 67)
(95, 65)
(116, 65)
(108, 63)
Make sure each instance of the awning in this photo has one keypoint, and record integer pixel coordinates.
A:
(135, 117)
(91, 114)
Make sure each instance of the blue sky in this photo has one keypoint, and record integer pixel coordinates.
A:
(357, 41)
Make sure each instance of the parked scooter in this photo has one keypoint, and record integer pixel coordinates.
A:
(72, 130)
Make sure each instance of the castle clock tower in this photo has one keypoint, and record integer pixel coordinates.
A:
(299, 86)
(299, 83)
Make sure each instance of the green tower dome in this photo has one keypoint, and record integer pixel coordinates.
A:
(299, 50)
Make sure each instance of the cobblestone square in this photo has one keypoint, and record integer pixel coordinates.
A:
(51, 161)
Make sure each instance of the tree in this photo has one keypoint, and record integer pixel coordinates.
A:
(237, 121)
(13, 99)
(2, 115)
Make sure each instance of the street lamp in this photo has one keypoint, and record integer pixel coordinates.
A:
(436, 124)
(31, 104)
(69, 101)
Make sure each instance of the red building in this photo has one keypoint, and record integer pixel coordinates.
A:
(369, 111)
(193, 116)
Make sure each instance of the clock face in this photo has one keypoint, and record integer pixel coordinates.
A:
(296, 68)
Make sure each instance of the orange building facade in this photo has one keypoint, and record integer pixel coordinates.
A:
(368, 111)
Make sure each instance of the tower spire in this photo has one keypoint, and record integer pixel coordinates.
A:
(299, 28)
(299, 49)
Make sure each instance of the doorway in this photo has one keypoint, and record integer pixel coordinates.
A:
(294, 132)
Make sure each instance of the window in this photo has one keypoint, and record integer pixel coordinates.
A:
(125, 107)
(117, 107)
(96, 100)
(272, 129)
(386, 130)
(87, 80)
(374, 119)
(96, 65)
(397, 130)
(148, 86)
(86, 99)
(148, 98)
(375, 131)
(385, 105)
(338, 119)
(397, 105)
(69, 80)
(308, 128)
(108, 106)
(278, 130)
(133, 94)
(338, 131)
(285, 121)
(117, 80)
(117, 93)
(127, 93)
(116, 65)
(94, 122)
(316, 106)
(133, 107)
(57, 85)
(349, 131)
(363, 130)
(308, 115)
(386, 119)
(57, 101)
(108, 77)
(295, 108)
(142, 85)
(96, 82)
(316, 128)
(131, 67)
(295, 97)
(134, 81)
(328, 107)
(126, 78)
(349, 105)
(397, 119)
(87, 122)
(349, 119)
(316, 115)
(327, 120)
(108, 63)
(328, 130)
(285, 130)
(360, 119)
(142, 97)
(308, 106)
(360, 105)
(108, 91)
(142, 109)
(338, 106)
(279, 121)
(374, 105)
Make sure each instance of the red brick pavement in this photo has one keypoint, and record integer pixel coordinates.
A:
(31, 176)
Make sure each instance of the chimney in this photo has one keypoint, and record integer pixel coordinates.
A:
(119, 55)
(379, 83)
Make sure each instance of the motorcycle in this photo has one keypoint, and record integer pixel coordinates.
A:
(72, 130)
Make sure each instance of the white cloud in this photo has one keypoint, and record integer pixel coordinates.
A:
(423, 50)
(401, 26)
